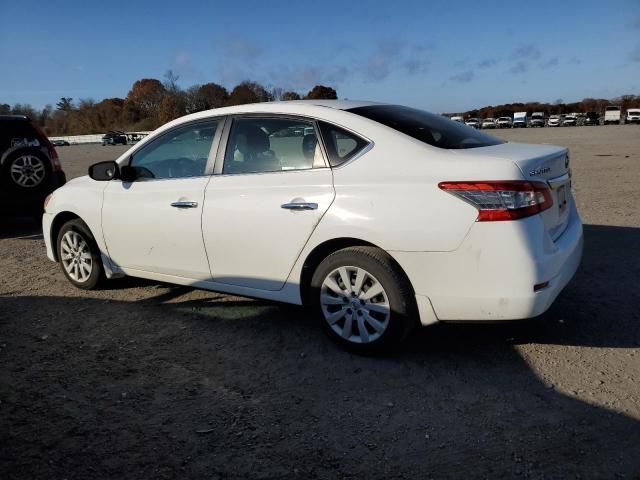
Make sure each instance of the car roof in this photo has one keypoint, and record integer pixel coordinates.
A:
(292, 107)
(271, 107)
(338, 104)
(23, 118)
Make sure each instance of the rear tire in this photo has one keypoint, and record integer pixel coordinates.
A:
(79, 255)
(363, 299)
(28, 171)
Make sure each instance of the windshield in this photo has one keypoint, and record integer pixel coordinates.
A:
(427, 127)
(612, 109)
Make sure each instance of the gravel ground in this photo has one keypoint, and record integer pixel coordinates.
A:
(146, 380)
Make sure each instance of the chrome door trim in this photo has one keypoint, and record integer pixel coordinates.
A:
(298, 206)
(184, 204)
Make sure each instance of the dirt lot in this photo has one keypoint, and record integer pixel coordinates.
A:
(144, 380)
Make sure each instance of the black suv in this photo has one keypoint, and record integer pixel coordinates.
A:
(592, 118)
(29, 166)
(114, 138)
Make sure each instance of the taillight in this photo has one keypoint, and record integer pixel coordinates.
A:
(502, 200)
(53, 154)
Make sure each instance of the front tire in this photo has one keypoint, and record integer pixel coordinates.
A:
(363, 300)
(79, 255)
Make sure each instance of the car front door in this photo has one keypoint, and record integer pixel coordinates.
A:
(153, 223)
(271, 188)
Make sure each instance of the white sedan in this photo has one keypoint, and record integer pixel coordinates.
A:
(380, 217)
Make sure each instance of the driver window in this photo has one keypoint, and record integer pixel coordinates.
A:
(180, 153)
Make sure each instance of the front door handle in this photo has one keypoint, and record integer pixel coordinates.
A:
(184, 204)
(300, 206)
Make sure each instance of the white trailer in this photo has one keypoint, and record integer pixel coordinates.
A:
(612, 114)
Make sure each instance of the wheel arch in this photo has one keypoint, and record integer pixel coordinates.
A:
(16, 151)
(326, 248)
(59, 220)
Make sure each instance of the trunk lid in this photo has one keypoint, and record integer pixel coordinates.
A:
(546, 163)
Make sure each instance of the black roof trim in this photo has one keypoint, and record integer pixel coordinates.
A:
(14, 117)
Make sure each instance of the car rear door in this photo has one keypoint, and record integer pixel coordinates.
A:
(153, 224)
(271, 188)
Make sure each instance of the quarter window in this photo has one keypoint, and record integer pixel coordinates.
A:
(269, 144)
(182, 152)
(341, 145)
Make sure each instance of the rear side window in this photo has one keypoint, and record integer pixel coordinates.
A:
(427, 127)
(341, 145)
(19, 133)
(271, 144)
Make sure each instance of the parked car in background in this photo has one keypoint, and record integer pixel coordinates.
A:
(458, 119)
(569, 121)
(114, 138)
(537, 119)
(473, 122)
(504, 122)
(373, 246)
(554, 121)
(633, 115)
(520, 120)
(29, 166)
(489, 123)
(612, 114)
(592, 118)
(60, 143)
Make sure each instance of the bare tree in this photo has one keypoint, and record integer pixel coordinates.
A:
(65, 104)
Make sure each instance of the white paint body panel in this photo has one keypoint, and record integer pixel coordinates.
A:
(250, 239)
(159, 238)
(240, 241)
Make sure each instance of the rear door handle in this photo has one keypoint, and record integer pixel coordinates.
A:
(300, 206)
(184, 204)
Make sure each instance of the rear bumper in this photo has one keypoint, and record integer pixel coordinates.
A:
(491, 276)
(18, 203)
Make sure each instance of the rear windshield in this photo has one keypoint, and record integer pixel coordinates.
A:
(427, 127)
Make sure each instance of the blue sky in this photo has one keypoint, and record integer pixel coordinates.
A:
(437, 55)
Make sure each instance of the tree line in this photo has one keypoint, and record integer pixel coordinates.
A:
(558, 107)
(151, 103)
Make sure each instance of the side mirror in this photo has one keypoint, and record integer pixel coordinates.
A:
(104, 171)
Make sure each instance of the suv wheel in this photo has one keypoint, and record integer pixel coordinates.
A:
(363, 299)
(28, 170)
(79, 255)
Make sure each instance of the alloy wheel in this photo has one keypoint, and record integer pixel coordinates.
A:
(28, 171)
(355, 304)
(76, 256)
